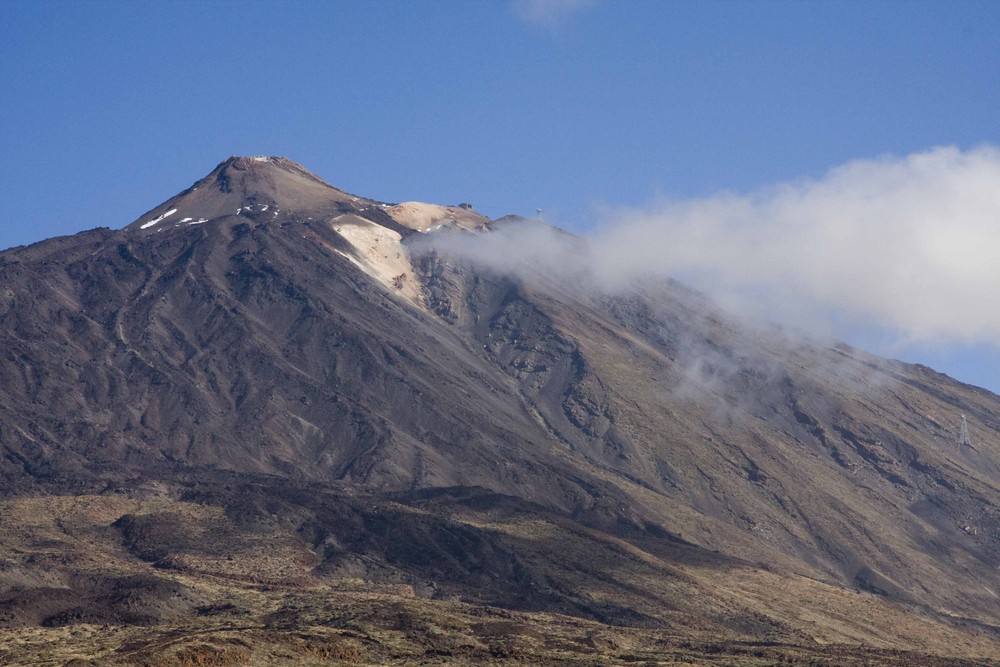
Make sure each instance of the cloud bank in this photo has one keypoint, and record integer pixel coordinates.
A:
(906, 247)
(908, 244)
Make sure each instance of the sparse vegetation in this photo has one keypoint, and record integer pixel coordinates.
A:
(695, 614)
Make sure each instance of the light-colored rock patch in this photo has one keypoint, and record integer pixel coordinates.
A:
(379, 253)
(424, 217)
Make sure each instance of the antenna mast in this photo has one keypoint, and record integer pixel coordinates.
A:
(963, 434)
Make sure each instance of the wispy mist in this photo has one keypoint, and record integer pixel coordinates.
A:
(909, 245)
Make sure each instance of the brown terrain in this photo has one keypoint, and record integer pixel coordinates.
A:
(271, 422)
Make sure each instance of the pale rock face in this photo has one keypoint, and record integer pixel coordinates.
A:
(425, 217)
(380, 253)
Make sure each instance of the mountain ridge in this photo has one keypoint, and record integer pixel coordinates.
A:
(320, 377)
(244, 183)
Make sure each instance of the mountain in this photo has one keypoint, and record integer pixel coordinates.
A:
(366, 431)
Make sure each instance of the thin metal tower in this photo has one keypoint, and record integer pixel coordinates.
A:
(963, 434)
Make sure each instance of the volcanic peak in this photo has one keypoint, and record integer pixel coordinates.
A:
(265, 166)
(275, 189)
(260, 187)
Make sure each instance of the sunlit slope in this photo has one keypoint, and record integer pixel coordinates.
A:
(487, 429)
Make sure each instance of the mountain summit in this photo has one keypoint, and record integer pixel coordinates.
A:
(277, 189)
(263, 404)
(252, 187)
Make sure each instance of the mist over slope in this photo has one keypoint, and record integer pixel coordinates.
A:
(906, 243)
(414, 395)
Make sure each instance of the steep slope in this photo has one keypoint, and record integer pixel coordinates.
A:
(251, 187)
(760, 444)
(320, 369)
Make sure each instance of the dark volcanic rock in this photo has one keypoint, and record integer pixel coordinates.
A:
(263, 325)
(133, 600)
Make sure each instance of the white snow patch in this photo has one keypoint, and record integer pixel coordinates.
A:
(264, 208)
(261, 158)
(197, 222)
(159, 219)
(186, 219)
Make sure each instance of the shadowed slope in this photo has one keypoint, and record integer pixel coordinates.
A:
(323, 351)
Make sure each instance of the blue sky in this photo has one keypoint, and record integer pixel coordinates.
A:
(585, 109)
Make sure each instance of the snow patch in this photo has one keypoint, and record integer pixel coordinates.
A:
(159, 219)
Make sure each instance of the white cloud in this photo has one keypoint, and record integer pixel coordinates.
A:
(909, 244)
(548, 13)
(905, 250)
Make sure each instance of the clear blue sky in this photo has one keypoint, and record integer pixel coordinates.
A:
(108, 108)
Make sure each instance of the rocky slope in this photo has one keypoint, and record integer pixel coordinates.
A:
(318, 368)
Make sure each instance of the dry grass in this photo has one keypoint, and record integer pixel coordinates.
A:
(283, 614)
